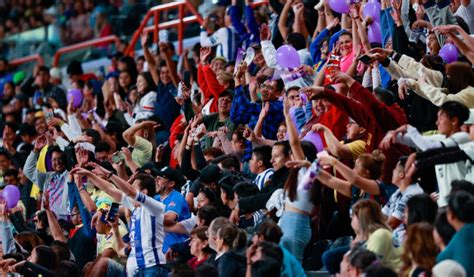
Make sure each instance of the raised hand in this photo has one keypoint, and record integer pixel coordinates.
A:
(46, 201)
(312, 92)
(40, 143)
(204, 54)
(318, 127)
(98, 170)
(265, 109)
(82, 156)
(143, 39)
(396, 12)
(265, 33)
(82, 171)
(341, 77)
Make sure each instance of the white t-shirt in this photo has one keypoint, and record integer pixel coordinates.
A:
(467, 14)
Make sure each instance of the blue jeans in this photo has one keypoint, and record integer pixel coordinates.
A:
(296, 230)
(151, 272)
(332, 258)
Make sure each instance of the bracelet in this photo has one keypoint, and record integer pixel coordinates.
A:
(110, 175)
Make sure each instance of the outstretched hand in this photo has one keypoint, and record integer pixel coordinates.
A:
(265, 33)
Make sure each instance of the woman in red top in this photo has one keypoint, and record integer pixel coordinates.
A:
(199, 247)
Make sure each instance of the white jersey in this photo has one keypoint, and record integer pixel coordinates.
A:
(263, 177)
(145, 107)
(146, 233)
(226, 41)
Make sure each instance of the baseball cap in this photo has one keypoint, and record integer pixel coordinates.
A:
(219, 58)
(55, 73)
(170, 174)
(470, 120)
(210, 174)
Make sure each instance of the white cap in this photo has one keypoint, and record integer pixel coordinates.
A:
(470, 120)
(55, 73)
(448, 268)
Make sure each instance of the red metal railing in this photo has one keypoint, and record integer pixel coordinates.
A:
(32, 58)
(77, 46)
(179, 23)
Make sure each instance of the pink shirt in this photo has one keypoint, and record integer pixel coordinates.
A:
(346, 62)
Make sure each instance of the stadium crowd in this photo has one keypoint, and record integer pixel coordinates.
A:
(295, 137)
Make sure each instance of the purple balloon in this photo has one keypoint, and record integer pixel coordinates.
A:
(374, 33)
(372, 9)
(77, 95)
(11, 194)
(287, 57)
(449, 53)
(315, 139)
(339, 6)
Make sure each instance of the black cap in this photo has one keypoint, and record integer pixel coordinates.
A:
(26, 129)
(210, 174)
(170, 174)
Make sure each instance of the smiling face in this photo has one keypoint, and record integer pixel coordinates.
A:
(165, 75)
(269, 91)
(217, 66)
(141, 84)
(57, 162)
(345, 44)
(281, 132)
(433, 44)
(353, 130)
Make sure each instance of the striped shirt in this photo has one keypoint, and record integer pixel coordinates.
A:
(263, 177)
(146, 233)
(224, 39)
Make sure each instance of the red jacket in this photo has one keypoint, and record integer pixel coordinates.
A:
(209, 85)
(375, 119)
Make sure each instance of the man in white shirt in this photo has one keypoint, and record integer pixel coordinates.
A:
(225, 39)
(465, 10)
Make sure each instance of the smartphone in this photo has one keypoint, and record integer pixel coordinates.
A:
(118, 157)
(163, 35)
(48, 114)
(365, 59)
(187, 79)
(113, 211)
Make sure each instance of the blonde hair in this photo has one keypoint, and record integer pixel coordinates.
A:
(373, 162)
(369, 214)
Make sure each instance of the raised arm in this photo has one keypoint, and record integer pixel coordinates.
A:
(295, 142)
(102, 184)
(152, 66)
(165, 49)
(283, 20)
(335, 147)
(341, 186)
(53, 223)
(129, 134)
(367, 185)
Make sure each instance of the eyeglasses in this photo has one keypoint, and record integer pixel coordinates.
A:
(293, 97)
(265, 86)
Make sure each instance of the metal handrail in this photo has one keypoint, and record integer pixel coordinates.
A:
(179, 23)
(27, 59)
(89, 43)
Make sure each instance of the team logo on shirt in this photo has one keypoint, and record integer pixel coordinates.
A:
(172, 204)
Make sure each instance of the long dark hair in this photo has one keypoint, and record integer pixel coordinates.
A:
(150, 84)
(291, 184)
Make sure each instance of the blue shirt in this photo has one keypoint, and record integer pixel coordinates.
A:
(175, 203)
(461, 249)
(166, 107)
(291, 266)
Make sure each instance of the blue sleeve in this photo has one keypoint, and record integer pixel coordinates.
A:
(300, 117)
(384, 76)
(308, 110)
(334, 38)
(387, 25)
(236, 19)
(315, 47)
(252, 24)
(242, 109)
(85, 215)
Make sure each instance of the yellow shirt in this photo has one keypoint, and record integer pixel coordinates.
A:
(380, 242)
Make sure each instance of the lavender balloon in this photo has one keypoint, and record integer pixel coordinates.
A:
(339, 6)
(449, 53)
(374, 33)
(287, 57)
(11, 194)
(315, 139)
(372, 9)
(76, 95)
